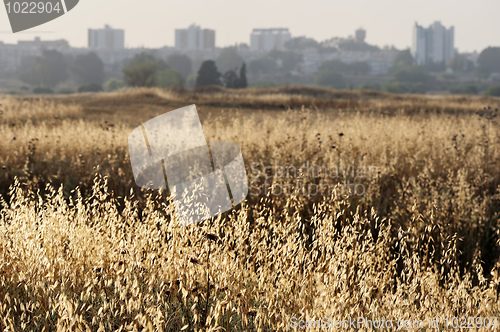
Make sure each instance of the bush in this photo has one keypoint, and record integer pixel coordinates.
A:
(464, 90)
(370, 86)
(470, 89)
(114, 84)
(182, 63)
(488, 60)
(42, 90)
(412, 75)
(142, 69)
(88, 68)
(448, 76)
(191, 80)
(355, 68)
(168, 78)
(264, 65)
(331, 79)
(92, 87)
(395, 87)
(398, 87)
(264, 84)
(65, 91)
(493, 91)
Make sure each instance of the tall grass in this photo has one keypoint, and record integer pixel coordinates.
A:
(81, 248)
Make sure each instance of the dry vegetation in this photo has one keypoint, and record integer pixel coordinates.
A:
(83, 249)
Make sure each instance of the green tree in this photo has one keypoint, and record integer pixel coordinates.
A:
(88, 68)
(191, 80)
(289, 60)
(355, 46)
(265, 65)
(435, 67)
(331, 79)
(464, 90)
(197, 61)
(169, 77)
(141, 70)
(493, 91)
(231, 79)
(355, 68)
(208, 74)
(414, 74)
(489, 60)
(333, 66)
(48, 70)
(182, 63)
(398, 87)
(460, 64)
(91, 87)
(359, 68)
(114, 84)
(243, 82)
(29, 72)
(299, 44)
(228, 59)
(403, 59)
(370, 86)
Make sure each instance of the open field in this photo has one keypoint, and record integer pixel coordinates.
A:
(395, 218)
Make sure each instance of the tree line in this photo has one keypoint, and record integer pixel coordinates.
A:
(52, 68)
(144, 70)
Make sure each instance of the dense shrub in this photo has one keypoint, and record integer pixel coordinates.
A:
(43, 90)
(399, 87)
(493, 91)
(92, 87)
(330, 79)
(465, 90)
(114, 84)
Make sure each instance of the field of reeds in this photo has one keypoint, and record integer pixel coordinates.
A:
(363, 206)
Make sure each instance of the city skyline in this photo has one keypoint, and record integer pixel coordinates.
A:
(387, 23)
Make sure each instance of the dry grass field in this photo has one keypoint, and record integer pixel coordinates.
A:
(393, 216)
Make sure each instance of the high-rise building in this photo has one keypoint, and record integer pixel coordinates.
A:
(208, 39)
(434, 44)
(194, 38)
(106, 39)
(269, 39)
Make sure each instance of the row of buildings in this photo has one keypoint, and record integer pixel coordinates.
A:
(194, 38)
(432, 44)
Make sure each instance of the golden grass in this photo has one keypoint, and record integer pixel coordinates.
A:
(421, 243)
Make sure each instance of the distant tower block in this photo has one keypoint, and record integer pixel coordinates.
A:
(360, 35)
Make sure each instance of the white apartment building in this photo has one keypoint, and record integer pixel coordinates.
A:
(264, 40)
(433, 44)
(194, 38)
(106, 39)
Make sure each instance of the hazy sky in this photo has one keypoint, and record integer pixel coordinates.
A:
(151, 23)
